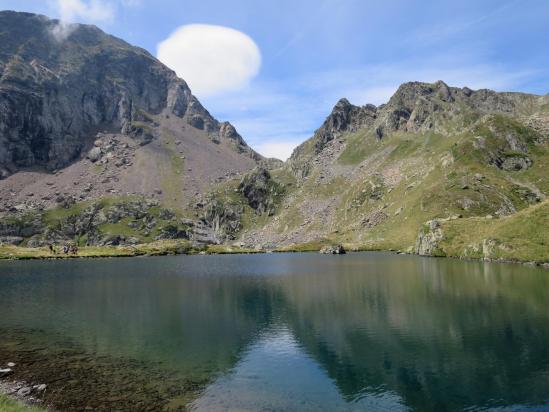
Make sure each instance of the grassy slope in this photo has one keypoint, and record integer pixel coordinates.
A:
(523, 236)
(438, 174)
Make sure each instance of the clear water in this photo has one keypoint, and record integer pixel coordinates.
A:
(279, 332)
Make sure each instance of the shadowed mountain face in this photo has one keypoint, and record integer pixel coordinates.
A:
(57, 93)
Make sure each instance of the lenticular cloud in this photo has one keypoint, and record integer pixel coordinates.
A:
(211, 59)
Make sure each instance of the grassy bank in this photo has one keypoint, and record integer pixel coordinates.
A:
(158, 248)
(10, 405)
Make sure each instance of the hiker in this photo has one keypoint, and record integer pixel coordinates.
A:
(65, 249)
(52, 250)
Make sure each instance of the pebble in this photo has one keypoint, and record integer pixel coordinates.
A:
(10, 364)
(40, 388)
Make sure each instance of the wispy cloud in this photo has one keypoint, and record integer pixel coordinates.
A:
(85, 11)
(70, 11)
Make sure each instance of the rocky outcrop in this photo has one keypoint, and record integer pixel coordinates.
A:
(112, 223)
(428, 239)
(261, 192)
(419, 107)
(505, 143)
(344, 117)
(333, 250)
(55, 95)
(228, 133)
(221, 216)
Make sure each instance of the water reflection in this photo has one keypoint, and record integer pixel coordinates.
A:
(305, 332)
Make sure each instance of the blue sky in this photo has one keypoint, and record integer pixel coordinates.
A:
(314, 52)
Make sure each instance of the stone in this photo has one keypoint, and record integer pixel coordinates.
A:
(24, 391)
(10, 364)
(5, 372)
(94, 154)
(40, 388)
(333, 250)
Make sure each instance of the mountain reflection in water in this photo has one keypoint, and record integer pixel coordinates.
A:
(368, 331)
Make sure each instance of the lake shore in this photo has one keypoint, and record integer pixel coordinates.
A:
(178, 247)
(12, 403)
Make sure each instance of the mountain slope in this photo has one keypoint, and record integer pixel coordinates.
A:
(372, 176)
(96, 111)
(101, 144)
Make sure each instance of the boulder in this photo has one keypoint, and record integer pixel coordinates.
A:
(94, 154)
(333, 250)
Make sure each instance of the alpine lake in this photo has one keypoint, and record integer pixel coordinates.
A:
(279, 332)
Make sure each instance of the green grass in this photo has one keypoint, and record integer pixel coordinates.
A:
(359, 146)
(147, 128)
(157, 248)
(122, 228)
(523, 236)
(10, 405)
(312, 246)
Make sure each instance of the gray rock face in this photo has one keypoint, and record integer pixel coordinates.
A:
(55, 95)
(261, 192)
(223, 218)
(427, 243)
(420, 106)
(345, 117)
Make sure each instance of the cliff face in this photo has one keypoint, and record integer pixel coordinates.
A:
(56, 94)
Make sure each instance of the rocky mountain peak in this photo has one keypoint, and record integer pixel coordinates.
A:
(55, 95)
(344, 117)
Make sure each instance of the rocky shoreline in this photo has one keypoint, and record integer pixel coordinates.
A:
(20, 390)
(77, 379)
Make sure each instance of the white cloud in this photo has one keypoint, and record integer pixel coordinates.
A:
(211, 59)
(70, 11)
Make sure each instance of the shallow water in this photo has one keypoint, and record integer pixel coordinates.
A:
(279, 332)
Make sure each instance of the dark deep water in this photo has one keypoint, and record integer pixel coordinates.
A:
(279, 332)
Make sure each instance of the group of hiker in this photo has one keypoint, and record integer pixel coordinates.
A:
(66, 249)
